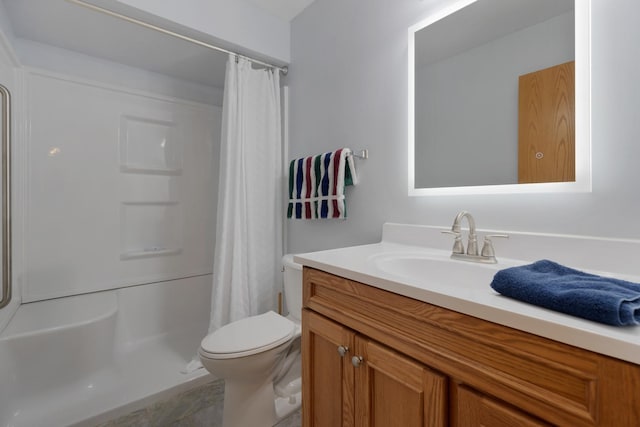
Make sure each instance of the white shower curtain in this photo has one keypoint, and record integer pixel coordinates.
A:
(246, 265)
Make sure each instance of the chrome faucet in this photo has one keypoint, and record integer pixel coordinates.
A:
(487, 255)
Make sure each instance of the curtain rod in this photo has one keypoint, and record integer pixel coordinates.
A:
(283, 70)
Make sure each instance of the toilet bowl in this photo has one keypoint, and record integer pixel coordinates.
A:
(259, 359)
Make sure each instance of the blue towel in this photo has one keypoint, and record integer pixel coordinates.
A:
(556, 287)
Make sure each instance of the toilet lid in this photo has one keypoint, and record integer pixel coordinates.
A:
(249, 336)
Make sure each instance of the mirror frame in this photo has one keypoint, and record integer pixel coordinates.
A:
(582, 183)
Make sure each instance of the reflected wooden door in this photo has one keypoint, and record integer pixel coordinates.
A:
(546, 125)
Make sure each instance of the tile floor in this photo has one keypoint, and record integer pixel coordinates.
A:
(199, 407)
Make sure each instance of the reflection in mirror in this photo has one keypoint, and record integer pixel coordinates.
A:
(492, 100)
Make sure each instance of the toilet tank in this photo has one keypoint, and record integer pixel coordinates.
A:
(292, 286)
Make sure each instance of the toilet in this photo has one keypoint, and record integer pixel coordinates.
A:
(259, 359)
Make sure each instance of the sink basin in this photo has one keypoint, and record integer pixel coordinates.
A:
(436, 268)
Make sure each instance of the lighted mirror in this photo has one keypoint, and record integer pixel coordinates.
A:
(499, 98)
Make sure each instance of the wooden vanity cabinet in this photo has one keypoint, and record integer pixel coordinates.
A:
(350, 380)
(477, 410)
(417, 364)
(328, 378)
(392, 389)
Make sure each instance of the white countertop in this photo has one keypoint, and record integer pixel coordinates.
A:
(360, 263)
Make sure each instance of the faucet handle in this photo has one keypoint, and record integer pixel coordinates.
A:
(487, 248)
(457, 243)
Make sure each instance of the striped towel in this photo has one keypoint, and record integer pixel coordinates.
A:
(316, 185)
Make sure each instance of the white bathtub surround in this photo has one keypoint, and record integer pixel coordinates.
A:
(247, 256)
(107, 354)
(413, 261)
(119, 186)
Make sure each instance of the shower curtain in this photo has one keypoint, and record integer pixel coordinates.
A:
(246, 265)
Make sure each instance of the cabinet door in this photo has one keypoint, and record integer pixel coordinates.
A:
(476, 410)
(393, 390)
(327, 376)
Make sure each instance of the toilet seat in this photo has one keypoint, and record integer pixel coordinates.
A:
(248, 336)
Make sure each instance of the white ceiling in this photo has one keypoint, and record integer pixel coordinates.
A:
(285, 9)
(73, 27)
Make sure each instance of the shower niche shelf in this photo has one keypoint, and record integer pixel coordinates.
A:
(149, 146)
(148, 253)
(150, 229)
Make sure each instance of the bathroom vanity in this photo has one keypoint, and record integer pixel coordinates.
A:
(380, 349)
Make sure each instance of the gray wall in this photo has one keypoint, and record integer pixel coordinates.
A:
(467, 105)
(348, 87)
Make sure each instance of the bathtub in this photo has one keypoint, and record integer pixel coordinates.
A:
(86, 359)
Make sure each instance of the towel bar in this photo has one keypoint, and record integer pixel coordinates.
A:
(362, 154)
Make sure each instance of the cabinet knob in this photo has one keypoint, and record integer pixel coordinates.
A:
(357, 361)
(342, 350)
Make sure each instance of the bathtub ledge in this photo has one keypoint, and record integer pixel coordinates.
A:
(42, 317)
